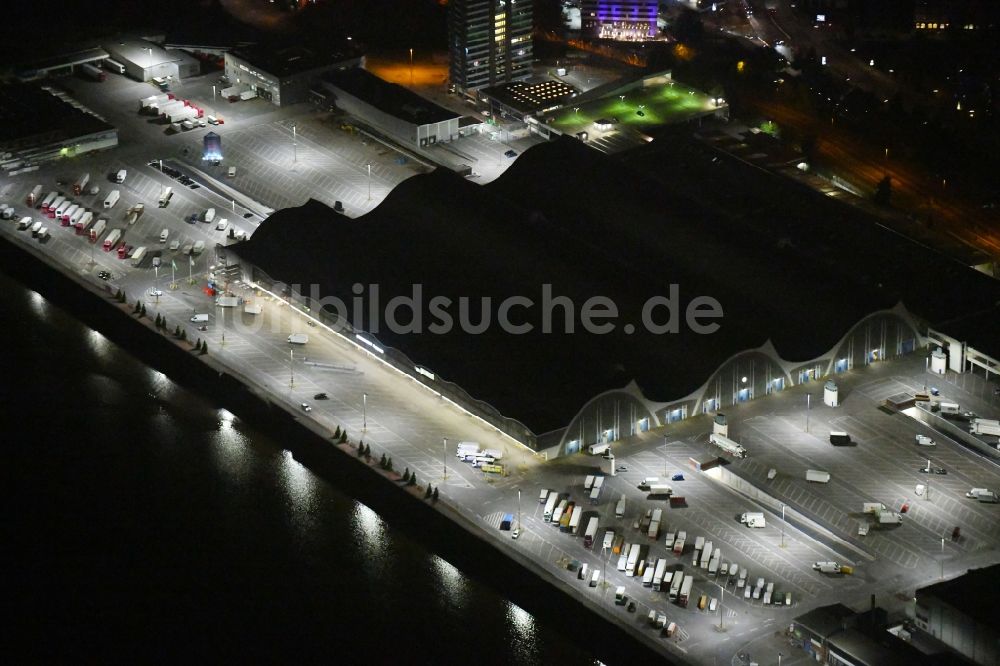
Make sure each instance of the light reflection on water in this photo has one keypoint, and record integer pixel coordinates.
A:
(523, 641)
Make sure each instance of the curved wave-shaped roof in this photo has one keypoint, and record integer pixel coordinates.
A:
(587, 225)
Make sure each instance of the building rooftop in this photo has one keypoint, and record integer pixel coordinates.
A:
(528, 97)
(390, 98)
(29, 115)
(142, 53)
(965, 593)
(779, 259)
(826, 620)
(287, 59)
(62, 60)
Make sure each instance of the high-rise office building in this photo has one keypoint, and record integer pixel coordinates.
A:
(489, 42)
(626, 20)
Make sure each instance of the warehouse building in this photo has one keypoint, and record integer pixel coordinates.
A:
(39, 124)
(283, 75)
(409, 118)
(961, 613)
(144, 60)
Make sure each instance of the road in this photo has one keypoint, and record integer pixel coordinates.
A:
(419, 430)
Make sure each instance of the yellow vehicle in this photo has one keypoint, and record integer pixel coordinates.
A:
(495, 469)
(844, 569)
(702, 601)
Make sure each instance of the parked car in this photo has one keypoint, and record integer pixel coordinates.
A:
(306, 407)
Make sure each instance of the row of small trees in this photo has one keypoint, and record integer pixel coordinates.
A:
(201, 346)
(385, 462)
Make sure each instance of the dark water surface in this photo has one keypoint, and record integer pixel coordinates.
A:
(141, 522)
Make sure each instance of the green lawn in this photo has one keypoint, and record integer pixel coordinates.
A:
(660, 105)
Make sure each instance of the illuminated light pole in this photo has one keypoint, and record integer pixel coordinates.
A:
(364, 412)
(411, 67)
(722, 614)
(942, 558)
(291, 368)
(369, 181)
(444, 457)
(782, 525)
(519, 505)
(295, 150)
(808, 403)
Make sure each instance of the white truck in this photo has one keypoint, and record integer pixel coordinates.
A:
(598, 449)
(588, 482)
(138, 256)
(675, 585)
(678, 548)
(727, 445)
(817, 476)
(227, 301)
(620, 507)
(654, 524)
(753, 519)
(253, 309)
(209, 216)
(669, 540)
(112, 198)
(633, 559)
(97, 230)
(81, 183)
(889, 518)
(985, 427)
(135, 212)
(591, 532)
(706, 555)
(660, 489)
(713, 564)
(827, 567)
(198, 248)
(112, 239)
(983, 495)
(550, 507)
(84, 222)
(165, 195)
(661, 569)
(298, 338)
(120, 176)
(466, 448)
(873, 507)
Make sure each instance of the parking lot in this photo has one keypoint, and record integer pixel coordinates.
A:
(408, 423)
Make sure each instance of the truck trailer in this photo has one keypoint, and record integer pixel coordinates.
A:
(985, 427)
(80, 184)
(753, 519)
(817, 476)
(727, 445)
(590, 533)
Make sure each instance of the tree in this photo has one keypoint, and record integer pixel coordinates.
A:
(382, 462)
(435, 493)
(427, 493)
(406, 474)
(142, 310)
(138, 306)
(883, 191)
(412, 481)
(388, 465)
(158, 321)
(204, 347)
(336, 435)
(361, 448)
(184, 335)
(343, 439)
(177, 331)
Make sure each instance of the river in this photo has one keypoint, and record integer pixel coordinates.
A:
(144, 523)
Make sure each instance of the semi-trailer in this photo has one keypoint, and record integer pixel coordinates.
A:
(574, 521)
(92, 73)
(685, 592)
(675, 585)
(727, 445)
(633, 560)
(661, 568)
(36, 192)
(550, 506)
(80, 184)
(590, 533)
(654, 524)
(620, 507)
(985, 427)
(96, 230)
(112, 239)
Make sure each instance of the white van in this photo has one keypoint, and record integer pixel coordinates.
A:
(210, 215)
(231, 172)
(120, 176)
(112, 198)
(221, 226)
(163, 235)
(298, 338)
(199, 318)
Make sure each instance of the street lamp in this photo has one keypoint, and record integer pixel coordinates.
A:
(295, 150)
(782, 525)
(364, 412)
(291, 368)
(779, 658)
(411, 67)
(444, 458)
(722, 613)
(808, 404)
(369, 181)
(519, 500)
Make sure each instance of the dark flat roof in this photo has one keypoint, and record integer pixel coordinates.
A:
(966, 593)
(786, 264)
(389, 97)
(825, 620)
(63, 60)
(27, 111)
(287, 59)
